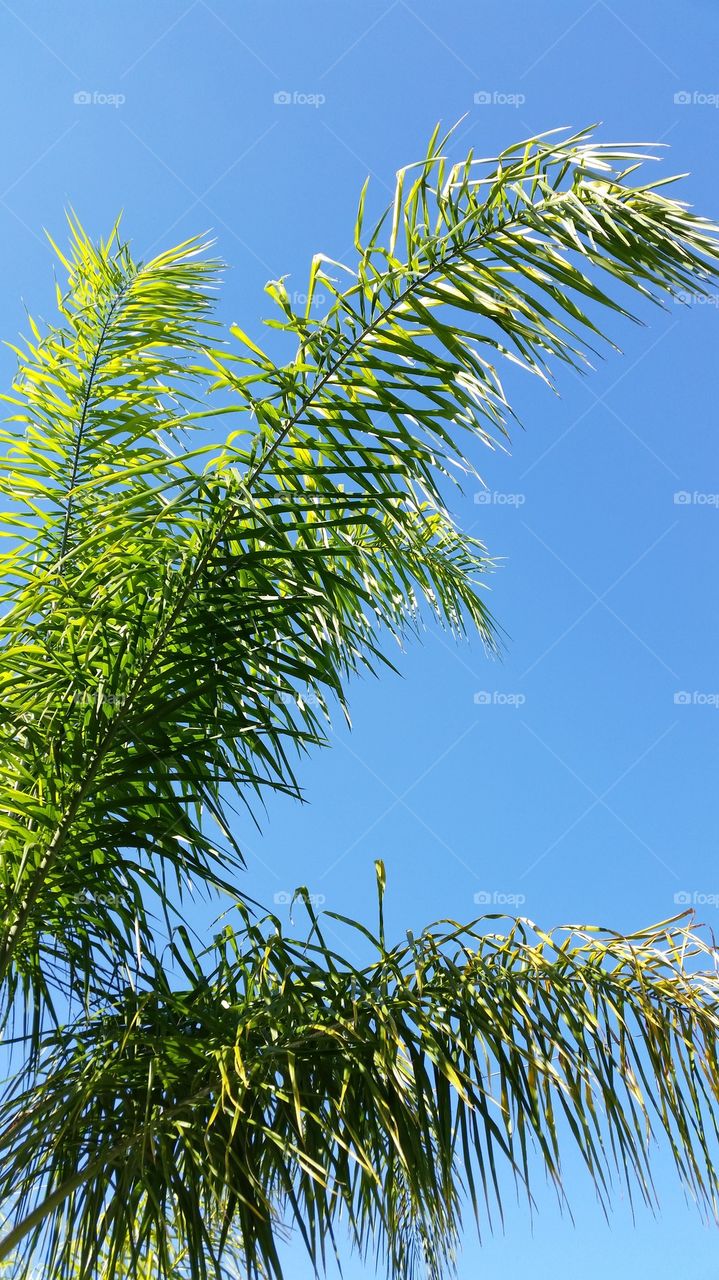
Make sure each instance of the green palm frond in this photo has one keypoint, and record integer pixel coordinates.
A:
(101, 486)
(178, 614)
(291, 1086)
(174, 627)
(101, 395)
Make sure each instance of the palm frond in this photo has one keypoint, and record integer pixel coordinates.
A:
(101, 489)
(174, 627)
(288, 1085)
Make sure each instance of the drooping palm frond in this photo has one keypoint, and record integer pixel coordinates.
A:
(165, 621)
(290, 1085)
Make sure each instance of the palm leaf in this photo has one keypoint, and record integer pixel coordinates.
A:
(177, 617)
(290, 1085)
(174, 629)
(101, 490)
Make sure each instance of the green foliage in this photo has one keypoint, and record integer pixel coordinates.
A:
(100, 504)
(179, 612)
(289, 1084)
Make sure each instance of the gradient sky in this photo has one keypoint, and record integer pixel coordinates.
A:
(589, 794)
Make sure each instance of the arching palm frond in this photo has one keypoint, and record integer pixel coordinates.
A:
(293, 1086)
(177, 611)
(164, 628)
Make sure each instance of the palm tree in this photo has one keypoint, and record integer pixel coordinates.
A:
(181, 609)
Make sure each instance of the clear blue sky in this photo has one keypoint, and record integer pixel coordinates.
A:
(595, 797)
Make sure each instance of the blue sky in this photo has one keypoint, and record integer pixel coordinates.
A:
(576, 784)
